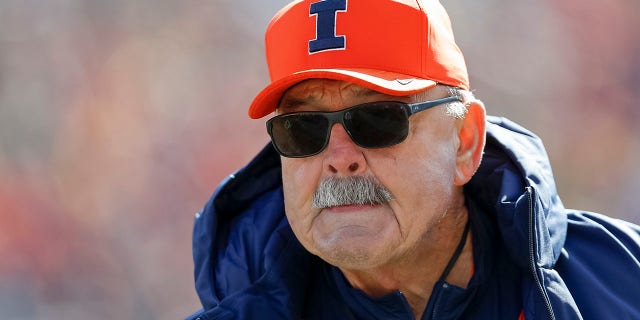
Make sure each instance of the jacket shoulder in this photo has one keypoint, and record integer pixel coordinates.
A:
(600, 230)
(600, 265)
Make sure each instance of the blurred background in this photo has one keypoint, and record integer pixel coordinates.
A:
(119, 118)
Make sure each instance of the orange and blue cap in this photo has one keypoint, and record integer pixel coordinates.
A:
(397, 47)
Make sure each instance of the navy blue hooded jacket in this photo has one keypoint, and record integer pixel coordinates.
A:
(532, 257)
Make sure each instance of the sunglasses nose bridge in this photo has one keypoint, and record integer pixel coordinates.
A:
(338, 117)
(334, 118)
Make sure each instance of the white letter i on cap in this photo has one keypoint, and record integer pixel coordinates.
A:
(326, 12)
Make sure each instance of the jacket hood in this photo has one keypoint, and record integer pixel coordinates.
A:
(515, 177)
(246, 254)
(246, 257)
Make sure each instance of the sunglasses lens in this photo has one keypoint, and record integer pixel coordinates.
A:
(298, 135)
(372, 125)
(378, 124)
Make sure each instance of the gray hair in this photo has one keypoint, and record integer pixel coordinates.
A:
(459, 110)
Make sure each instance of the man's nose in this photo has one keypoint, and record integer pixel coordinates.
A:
(342, 156)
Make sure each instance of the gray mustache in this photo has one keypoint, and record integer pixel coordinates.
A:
(358, 190)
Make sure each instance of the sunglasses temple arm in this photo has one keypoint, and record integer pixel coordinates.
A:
(421, 106)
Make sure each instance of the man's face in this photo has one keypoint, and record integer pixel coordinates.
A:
(419, 172)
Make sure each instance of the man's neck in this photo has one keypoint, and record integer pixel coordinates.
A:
(417, 273)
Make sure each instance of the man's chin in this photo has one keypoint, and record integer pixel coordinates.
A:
(353, 248)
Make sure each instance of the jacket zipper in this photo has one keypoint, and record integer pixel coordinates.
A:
(543, 293)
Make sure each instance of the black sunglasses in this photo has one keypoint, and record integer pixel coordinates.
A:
(370, 125)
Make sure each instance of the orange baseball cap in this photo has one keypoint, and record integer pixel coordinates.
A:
(397, 47)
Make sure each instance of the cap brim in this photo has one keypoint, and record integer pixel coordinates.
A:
(390, 83)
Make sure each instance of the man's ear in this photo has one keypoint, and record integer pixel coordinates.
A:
(471, 137)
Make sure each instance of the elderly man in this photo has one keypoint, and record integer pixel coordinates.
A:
(388, 194)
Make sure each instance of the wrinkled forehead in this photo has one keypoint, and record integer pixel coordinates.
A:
(328, 94)
(331, 95)
(318, 89)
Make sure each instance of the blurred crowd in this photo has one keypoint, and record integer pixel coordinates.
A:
(119, 118)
